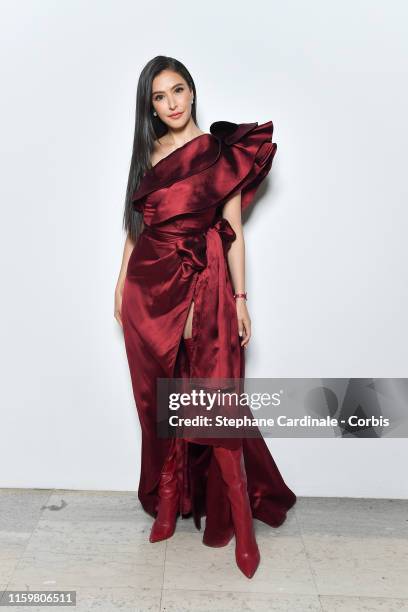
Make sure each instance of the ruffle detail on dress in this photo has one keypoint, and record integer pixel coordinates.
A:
(207, 171)
(250, 152)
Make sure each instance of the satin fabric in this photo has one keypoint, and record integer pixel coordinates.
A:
(179, 257)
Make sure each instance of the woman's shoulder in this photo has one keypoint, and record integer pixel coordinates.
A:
(163, 147)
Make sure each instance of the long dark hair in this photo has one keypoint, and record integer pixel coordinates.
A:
(147, 129)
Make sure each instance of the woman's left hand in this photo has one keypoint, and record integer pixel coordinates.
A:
(244, 321)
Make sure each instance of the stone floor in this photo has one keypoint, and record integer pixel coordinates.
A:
(332, 554)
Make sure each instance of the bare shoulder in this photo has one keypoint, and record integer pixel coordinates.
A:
(161, 149)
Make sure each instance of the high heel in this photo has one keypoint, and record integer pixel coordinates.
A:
(233, 473)
(169, 497)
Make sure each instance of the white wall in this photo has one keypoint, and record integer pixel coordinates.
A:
(326, 243)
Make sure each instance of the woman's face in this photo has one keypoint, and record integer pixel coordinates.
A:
(171, 96)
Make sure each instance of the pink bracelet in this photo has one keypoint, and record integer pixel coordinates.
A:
(240, 295)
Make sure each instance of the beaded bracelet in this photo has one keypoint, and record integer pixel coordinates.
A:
(240, 295)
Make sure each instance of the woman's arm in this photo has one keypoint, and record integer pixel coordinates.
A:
(236, 263)
(127, 250)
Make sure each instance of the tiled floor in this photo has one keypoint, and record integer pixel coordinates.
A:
(331, 554)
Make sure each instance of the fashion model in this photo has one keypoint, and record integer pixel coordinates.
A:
(181, 301)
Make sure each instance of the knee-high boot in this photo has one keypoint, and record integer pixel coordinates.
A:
(169, 498)
(219, 528)
(210, 537)
(233, 473)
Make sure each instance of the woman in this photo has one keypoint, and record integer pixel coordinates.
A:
(181, 301)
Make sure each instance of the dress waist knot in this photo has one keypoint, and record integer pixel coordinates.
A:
(193, 246)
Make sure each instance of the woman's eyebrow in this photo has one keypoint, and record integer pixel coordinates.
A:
(176, 85)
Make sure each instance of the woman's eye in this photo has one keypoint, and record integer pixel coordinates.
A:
(159, 96)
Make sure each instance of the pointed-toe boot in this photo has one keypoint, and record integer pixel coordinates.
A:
(233, 472)
(169, 498)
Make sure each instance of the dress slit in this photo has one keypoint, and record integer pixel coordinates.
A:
(180, 340)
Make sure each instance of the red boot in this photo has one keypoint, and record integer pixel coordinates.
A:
(219, 529)
(218, 541)
(215, 540)
(169, 498)
(233, 473)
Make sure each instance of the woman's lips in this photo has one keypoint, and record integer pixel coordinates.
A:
(175, 116)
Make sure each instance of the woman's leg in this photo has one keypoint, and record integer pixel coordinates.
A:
(188, 343)
(232, 467)
(233, 472)
(219, 529)
(169, 498)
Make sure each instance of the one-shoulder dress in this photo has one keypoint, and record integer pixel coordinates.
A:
(180, 256)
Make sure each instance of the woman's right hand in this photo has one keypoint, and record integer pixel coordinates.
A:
(118, 304)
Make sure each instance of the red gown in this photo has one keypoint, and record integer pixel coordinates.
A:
(181, 256)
